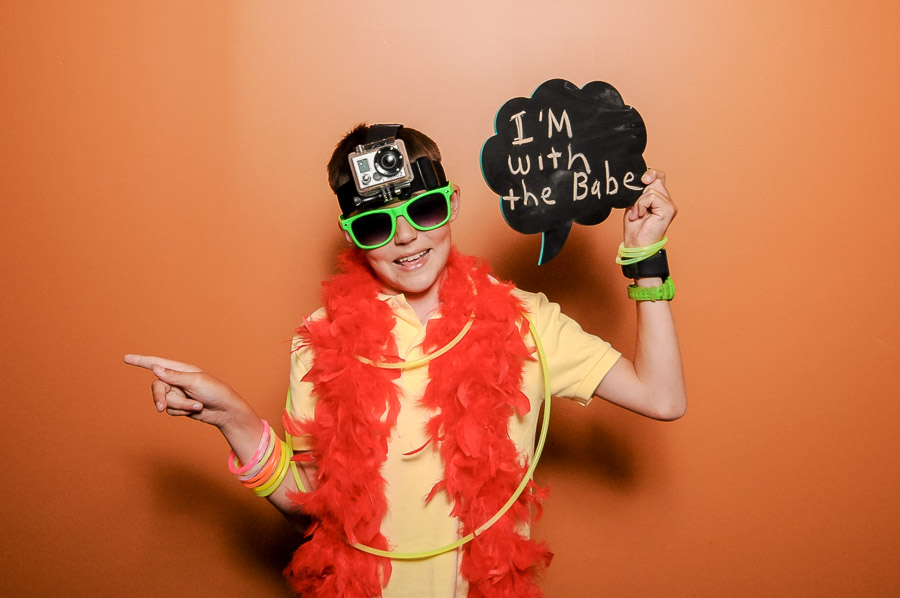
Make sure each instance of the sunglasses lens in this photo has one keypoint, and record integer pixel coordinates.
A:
(428, 211)
(372, 229)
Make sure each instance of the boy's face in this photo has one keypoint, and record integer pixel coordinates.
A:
(413, 261)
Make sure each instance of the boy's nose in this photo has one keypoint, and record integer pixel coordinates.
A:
(405, 232)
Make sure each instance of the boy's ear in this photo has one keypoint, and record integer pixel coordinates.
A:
(347, 237)
(454, 204)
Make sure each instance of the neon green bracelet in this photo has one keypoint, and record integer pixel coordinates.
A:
(663, 292)
(632, 255)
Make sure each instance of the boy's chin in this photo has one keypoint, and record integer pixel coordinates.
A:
(417, 281)
(414, 283)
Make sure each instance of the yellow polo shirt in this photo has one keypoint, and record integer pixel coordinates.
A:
(577, 362)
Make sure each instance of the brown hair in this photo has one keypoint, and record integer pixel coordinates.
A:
(418, 145)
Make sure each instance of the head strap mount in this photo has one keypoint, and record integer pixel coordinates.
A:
(427, 174)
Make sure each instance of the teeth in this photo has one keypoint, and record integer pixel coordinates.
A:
(411, 258)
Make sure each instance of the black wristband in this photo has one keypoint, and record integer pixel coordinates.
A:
(657, 265)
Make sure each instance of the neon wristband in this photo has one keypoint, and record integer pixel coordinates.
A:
(233, 462)
(663, 292)
(278, 475)
(631, 255)
(266, 471)
(254, 471)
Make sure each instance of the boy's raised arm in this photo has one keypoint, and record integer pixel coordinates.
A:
(653, 383)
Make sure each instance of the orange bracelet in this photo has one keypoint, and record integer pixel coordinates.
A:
(267, 471)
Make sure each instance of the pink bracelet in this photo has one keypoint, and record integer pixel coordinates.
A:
(261, 463)
(233, 463)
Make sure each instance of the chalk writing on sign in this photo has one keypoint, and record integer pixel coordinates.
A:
(564, 155)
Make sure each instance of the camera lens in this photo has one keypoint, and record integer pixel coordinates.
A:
(388, 161)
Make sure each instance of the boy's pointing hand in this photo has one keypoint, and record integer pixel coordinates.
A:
(182, 389)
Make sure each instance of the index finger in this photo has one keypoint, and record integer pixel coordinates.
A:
(150, 361)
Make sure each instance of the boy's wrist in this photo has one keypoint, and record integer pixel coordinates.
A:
(648, 282)
(239, 421)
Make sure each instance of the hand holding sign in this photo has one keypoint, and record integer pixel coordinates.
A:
(564, 155)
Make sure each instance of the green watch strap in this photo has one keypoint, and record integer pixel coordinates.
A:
(664, 292)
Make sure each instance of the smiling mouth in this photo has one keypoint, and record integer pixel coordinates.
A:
(411, 258)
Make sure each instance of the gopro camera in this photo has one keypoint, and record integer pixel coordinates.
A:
(381, 168)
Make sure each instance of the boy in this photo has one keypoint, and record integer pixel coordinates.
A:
(415, 390)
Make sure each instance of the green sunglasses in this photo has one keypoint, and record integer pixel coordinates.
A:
(427, 211)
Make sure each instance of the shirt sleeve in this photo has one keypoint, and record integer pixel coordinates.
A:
(577, 360)
(303, 403)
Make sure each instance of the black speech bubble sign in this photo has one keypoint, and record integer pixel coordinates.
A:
(564, 155)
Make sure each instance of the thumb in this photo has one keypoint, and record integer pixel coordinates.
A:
(185, 380)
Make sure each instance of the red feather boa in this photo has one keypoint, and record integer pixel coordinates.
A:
(474, 390)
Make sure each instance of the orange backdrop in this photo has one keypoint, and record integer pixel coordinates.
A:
(163, 191)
